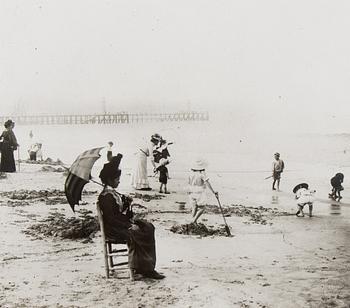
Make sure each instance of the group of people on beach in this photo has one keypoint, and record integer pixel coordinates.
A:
(303, 193)
(159, 154)
(117, 209)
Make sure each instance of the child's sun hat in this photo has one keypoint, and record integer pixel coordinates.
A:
(299, 186)
(199, 165)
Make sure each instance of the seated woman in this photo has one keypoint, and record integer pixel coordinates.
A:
(118, 221)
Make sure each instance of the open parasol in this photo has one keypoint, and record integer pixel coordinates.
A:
(79, 175)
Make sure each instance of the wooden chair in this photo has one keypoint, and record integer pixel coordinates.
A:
(111, 253)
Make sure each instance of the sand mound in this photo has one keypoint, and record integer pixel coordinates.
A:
(197, 229)
(57, 225)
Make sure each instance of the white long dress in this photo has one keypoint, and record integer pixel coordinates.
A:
(139, 178)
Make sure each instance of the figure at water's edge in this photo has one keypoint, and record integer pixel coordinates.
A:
(8, 146)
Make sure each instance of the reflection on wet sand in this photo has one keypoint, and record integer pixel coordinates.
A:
(274, 200)
(335, 209)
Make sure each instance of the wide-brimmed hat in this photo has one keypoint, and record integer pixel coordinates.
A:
(111, 169)
(199, 165)
(156, 138)
(8, 123)
(301, 185)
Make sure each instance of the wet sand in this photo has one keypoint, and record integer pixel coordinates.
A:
(284, 262)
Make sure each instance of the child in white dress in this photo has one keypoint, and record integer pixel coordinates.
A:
(305, 196)
(197, 183)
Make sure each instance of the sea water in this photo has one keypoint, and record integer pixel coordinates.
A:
(238, 159)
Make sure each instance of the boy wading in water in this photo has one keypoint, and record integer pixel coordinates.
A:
(277, 169)
(197, 182)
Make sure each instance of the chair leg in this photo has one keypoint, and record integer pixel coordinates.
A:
(105, 250)
(132, 274)
(111, 264)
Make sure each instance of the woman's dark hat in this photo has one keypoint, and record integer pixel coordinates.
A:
(8, 123)
(301, 185)
(156, 138)
(111, 169)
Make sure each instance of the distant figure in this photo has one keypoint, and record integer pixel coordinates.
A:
(197, 183)
(337, 186)
(161, 151)
(139, 178)
(39, 152)
(277, 169)
(163, 175)
(155, 143)
(9, 145)
(109, 150)
(304, 197)
(34, 148)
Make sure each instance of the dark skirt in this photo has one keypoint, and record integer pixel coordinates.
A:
(142, 248)
(7, 159)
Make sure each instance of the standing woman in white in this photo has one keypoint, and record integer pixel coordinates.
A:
(139, 178)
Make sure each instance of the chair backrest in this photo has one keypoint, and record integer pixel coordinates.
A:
(100, 220)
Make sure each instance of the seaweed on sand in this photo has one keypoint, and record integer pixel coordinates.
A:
(257, 215)
(197, 229)
(57, 225)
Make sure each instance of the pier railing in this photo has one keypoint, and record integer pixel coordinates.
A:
(115, 118)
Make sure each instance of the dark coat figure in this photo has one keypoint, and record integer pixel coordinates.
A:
(9, 145)
(119, 223)
(337, 187)
(163, 174)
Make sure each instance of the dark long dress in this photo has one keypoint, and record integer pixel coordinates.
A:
(117, 221)
(9, 145)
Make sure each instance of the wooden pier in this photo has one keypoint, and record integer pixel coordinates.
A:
(116, 118)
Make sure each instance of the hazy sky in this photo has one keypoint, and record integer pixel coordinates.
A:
(251, 56)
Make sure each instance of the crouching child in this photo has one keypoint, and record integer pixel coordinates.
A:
(305, 196)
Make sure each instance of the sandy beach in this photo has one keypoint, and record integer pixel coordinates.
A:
(273, 258)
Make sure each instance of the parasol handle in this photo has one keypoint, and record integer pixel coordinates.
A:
(96, 182)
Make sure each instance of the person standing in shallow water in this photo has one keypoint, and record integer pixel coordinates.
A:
(277, 169)
(9, 145)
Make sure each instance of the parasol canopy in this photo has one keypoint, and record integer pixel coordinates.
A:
(80, 174)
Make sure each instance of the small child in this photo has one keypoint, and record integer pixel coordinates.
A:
(163, 175)
(109, 150)
(337, 187)
(33, 151)
(304, 196)
(197, 182)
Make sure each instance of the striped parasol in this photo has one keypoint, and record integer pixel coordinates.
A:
(79, 175)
